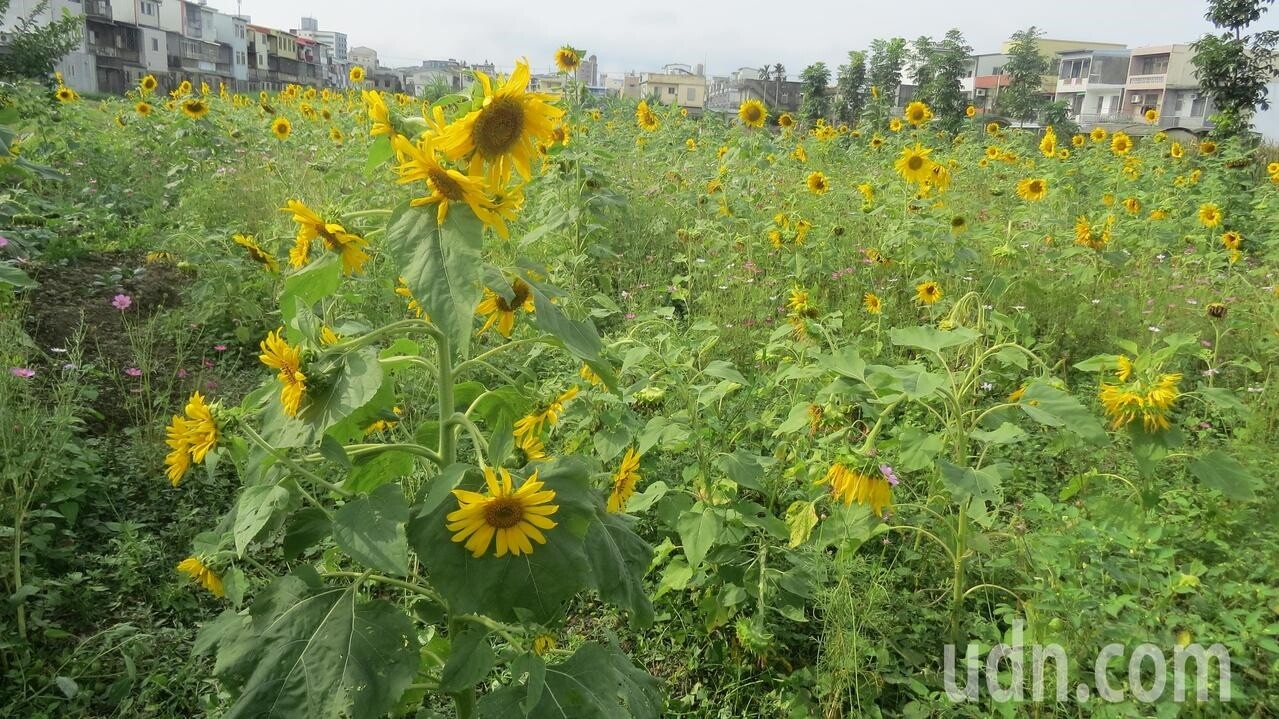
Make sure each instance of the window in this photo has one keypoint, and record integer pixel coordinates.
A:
(670, 90)
(148, 8)
(692, 94)
(1181, 102)
(1154, 65)
(155, 45)
(1100, 98)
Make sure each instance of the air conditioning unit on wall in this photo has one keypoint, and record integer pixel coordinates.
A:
(979, 92)
(1135, 99)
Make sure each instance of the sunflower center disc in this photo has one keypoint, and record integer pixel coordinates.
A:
(503, 512)
(915, 162)
(498, 127)
(444, 184)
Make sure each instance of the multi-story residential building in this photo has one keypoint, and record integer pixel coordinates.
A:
(989, 78)
(1091, 83)
(333, 59)
(232, 32)
(726, 94)
(441, 76)
(192, 39)
(116, 48)
(282, 57)
(146, 15)
(1163, 78)
(365, 57)
(258, 51)
(78, 68)
(984, 80)
(676, 84)
(588, 73)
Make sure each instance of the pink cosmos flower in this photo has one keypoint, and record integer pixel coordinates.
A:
(133, 372)
(22, 372)
(220, 347)
(121, 302)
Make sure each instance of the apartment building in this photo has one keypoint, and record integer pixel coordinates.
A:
(1091, 83)
(1163, 78)
(725, 94)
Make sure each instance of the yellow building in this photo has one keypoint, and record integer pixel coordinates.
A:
(1052, 49)
(679, 85)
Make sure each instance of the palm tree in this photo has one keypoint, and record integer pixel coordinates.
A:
(763, 82)
(779, 76)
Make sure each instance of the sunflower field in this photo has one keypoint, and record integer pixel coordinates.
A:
(337, 404)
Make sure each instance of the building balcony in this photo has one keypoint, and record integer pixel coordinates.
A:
(115, 56)
(98, 8)
(1147, 81)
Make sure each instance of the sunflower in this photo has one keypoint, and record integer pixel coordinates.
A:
(278, 354)
(928, 292)
(190, 436)
(851, 486)
(513, 516)
(446, 186)
(1231, 240)
(1151, 115)
(148, 84)
(194, 568)
(1120, 143)
(917, 113)
(646, 118)
(336, 135)
(876, 141)
(1032, 189)
(817, 183)
(800, 304)
(1272, 168)
(1209, 214)
(195, 108)
(144, 108)
(867, 191)
(872, 303)
(787, 121)
(1093, 237)
(1143, 399)
(992, 152)
(624, 481)
(66, 94)
(501, 311)
(1048, 144)
(1132, 204)
(752, 113)
(567, 59)
(379, 114)
(1207, 147)
(992, 128)
(1176, 151)
(1078, 140)
(281, 127)
(800, 153)
(970, 111)
(256, 253)
(895, 124)
(958, 225)
(310, 226)
(356, 75)
(1098, 134)
(528, 429)
(503, 134)
(914, 165)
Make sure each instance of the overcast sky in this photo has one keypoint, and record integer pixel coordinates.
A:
(646, 34)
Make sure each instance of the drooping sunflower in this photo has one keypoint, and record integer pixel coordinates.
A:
(190, 436)
(281, 128)
(872, 303)
(958, 225)
(503, 134)
(1207, 147)
(817, 183)
(501, 311)
(195, 108)
(198, 571)
(1132, 205)
(624, 481)
(418, 164)
(1032, 189)
(144, 109)
(311, 226)
(917, 113)
(278, 354)
(1120, 143)
(356, 75)
(645, 117)
(928, 292)
(1231, 240)
(256, 253)
(1209, 214)
(914, 165)
(752, 113)
(511, 516)
(568, 59)
(849, 486)
(1145, 399)
(336, 135)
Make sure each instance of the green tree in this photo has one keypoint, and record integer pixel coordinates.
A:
(1023, 98)
(924, 55)
(885, 71)
(851, 88)
(945, 94)
(1235, 67)
(35, 48)
(815, 79)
